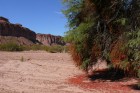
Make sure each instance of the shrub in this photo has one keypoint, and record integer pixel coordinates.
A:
(35, 47)
(11, 47)
(97, 28)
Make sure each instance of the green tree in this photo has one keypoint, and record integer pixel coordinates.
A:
(97, 27)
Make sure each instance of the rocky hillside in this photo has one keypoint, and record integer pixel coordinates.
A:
(17, 40)
(10, 32)
(16, 30)
(47, 39)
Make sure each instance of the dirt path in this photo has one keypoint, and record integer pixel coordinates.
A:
(37, 72)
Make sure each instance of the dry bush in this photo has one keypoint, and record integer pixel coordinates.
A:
(119, 57)
(75, 55)
(96, 52)
(116, 52)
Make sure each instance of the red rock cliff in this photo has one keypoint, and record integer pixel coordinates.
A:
(47, 39)
(16, 30)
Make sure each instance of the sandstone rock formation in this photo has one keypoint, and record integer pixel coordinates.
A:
(17, 40)
(2, 19)
(47, 39)
(16, 30)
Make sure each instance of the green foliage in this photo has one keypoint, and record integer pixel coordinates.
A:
(122, 21)
(133, 49)
(11, 47)
(15, 47)
(35, 47)
(124, 64)
(73, 9)
(51, 49)
(80, 32)
(101, 23)
(139, 73)
(90, 27)
(85, 64)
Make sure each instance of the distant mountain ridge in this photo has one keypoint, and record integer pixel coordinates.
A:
(25, 36)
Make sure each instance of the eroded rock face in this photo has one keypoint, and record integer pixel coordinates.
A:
(16, 30)
(47, 39)
(17, 40)
(3, 20)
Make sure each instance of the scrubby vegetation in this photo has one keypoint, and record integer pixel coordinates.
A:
(108, 29)
(11, 47)
(34, 47)
(15, 47)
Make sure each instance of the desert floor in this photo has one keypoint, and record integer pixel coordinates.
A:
(42, 72)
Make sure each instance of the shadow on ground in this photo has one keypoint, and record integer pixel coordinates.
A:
(134, 86)
(111, 74)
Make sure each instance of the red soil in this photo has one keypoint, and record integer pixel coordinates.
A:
(105, 86)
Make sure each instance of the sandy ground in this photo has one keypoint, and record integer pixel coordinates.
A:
(38, 72)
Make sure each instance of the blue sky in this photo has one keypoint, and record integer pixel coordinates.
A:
(41, 16)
